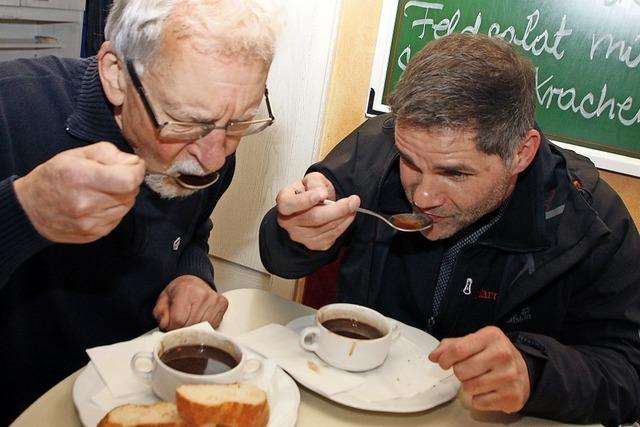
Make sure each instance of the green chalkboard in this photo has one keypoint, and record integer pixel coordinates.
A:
(586, 53)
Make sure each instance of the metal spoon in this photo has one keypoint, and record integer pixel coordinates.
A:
(192, 182)
(402, 222)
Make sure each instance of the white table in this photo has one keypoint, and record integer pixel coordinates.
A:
(250, 309)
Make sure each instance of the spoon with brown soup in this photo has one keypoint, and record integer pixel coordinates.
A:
(402, 222)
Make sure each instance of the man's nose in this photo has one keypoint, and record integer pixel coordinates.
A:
(210, 150)
(427, 195)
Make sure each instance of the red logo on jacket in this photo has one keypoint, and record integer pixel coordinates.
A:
(489, 295)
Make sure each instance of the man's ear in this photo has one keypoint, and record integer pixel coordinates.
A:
(526, 151)
(112, 74)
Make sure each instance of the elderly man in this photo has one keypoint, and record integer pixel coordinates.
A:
(104, 165)
(530, 272)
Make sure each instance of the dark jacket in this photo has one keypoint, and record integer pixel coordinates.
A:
(563, 260)
(56, 300)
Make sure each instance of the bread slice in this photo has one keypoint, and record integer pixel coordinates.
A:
(230, 405)
(161, 414)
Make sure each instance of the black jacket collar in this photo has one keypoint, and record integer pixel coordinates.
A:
(522, 227)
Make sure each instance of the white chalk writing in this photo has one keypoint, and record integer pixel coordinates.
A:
(614, 2)
(624, 50)
(425, 21)
(404, 57)
(539, 36)
(568, 99)
(540, 43)
(532, 39)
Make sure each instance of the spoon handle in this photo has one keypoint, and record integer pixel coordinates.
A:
(365, 211)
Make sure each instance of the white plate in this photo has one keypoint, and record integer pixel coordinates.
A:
(283, 396)
(443, 391)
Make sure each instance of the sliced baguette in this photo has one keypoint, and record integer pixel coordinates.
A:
(161, 414)
(230, 405)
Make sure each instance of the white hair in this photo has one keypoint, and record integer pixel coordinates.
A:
(247, 28)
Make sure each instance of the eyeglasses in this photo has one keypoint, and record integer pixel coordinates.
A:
(190, 131)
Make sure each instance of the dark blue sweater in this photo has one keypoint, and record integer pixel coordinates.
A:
(56, 300)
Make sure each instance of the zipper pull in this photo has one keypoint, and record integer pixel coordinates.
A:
(431, 321)
(467, 286)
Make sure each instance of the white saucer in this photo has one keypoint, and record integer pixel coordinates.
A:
(442, 391)
(283, 396)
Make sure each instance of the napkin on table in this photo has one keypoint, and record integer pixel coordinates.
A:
(280, 344)
(405, 373)
(113, 362)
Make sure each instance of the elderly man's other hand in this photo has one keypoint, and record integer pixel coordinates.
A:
(490, 368)
(188, 300)
(80, 195)
(312, 224)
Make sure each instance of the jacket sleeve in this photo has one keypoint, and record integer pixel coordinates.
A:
(194, 259)
(282, 256)
(355, 166)
(285, 258)
(19, 240)
(591, 373)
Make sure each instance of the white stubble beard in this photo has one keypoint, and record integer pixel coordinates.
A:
(167, 187)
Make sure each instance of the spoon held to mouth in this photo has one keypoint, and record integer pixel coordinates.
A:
(402, 222)
(191, 182)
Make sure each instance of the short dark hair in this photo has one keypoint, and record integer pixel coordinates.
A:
(471, 81)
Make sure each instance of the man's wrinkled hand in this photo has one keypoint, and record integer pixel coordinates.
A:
(188, 300)
(80, 195)
(491, 369)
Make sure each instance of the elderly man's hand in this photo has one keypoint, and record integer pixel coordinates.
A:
(312, 224)
(80, 195)
(490, 368)
(188, 300)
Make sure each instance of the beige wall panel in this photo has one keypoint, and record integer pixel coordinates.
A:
(349, 84)
(628, 188)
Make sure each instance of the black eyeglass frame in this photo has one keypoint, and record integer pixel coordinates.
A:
(210, 127)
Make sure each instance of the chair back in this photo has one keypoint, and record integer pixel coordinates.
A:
(320, 287)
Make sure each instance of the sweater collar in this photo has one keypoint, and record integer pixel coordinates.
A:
(92, 118)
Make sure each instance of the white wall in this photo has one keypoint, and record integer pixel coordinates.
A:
(272, 159)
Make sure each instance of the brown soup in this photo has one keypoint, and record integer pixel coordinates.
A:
(199, 359)
(352, 328)
(408, 222)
